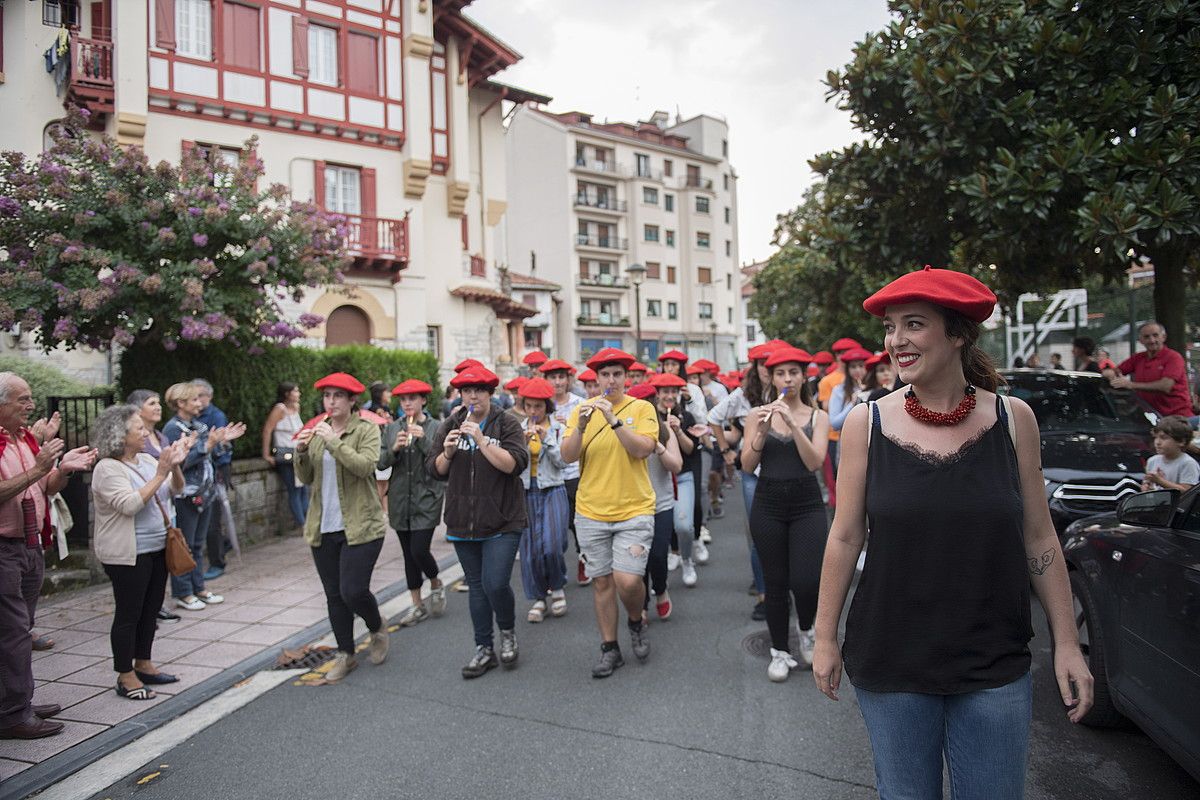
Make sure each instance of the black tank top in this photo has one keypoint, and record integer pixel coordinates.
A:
(780, 461)
(942, 606)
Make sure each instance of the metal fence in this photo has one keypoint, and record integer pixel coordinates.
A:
(78, 414)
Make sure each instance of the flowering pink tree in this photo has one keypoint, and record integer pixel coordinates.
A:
(98, 246)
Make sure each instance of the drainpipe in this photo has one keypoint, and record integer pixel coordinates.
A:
(482, 172)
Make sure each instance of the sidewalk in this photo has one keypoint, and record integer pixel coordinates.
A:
(272, 596)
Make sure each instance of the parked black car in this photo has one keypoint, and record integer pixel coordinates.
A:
(1135, 578)
(1095, 439)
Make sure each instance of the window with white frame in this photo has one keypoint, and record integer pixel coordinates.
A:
(672, 311)
(322, 55)
(650, 195)
(228, 160)
(433, 340)
(706, 310)
(193, 28)
(342, 192)
(654, 308)
(701, 205)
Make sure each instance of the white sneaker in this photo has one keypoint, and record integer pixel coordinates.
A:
(701, 551)
(705, 536)
(673, 561)
(807, 643)
(191, 603)
(210, 598)
(781, 666)
(689, 573)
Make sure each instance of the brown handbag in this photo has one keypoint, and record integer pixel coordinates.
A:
(178, 554)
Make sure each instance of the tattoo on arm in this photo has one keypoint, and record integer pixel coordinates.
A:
(1038, 566)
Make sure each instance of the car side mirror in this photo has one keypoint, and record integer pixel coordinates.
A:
(1148, 508)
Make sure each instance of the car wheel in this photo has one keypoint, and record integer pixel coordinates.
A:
(1091, 641)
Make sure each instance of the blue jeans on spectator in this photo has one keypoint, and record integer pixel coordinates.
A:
(193, 522)
(749, 484)
(685, 511)
(487, 567)
(983, 736)
(297, 495)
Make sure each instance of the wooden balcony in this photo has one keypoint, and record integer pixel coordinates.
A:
(378, 244)
(91, 82)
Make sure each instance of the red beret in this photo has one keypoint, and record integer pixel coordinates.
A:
(340, 380)
(412, 386)
(554, 364)
(877, 359)
(536, 389)
(673, 355)
(942, 287)
(665, 380)
(610, 355)
(856, 354)
(787, 355)
(824, 357)
(813, 370)
(534, 357)
(761, 351)
(467, 363)
(643, 391)
(844, 344)
(693, 369)
(638, 366)
(475, 376)
(587, 375)
(516, 383)
(707, 365)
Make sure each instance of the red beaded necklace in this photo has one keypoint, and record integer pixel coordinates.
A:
(922, 414)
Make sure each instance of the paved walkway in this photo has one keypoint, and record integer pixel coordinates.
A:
(270, 597)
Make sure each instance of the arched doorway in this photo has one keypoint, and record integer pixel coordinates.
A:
(347, 325)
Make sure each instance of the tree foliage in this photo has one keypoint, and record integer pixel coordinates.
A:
(101, 247)
(1050, 138)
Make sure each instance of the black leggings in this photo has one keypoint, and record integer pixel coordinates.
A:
(345, 572)
(572, 485)
(656, 564)
(138, 591)
(419, 562)
(789, 532)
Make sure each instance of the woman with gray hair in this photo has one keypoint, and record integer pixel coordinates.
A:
(131, 492)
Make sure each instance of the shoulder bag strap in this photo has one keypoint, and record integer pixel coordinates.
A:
(157, 502)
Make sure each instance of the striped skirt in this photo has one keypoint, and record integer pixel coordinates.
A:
(543, 568)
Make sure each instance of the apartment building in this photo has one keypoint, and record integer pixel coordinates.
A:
(596, 199)
(385, 111)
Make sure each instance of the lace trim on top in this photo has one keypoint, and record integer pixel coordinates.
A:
(939, 459)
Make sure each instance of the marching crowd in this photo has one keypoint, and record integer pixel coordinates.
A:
(912, 448)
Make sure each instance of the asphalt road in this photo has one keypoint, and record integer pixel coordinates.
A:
(698, 720)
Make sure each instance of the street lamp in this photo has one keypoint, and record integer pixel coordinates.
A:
(712, 326)
(637, 274)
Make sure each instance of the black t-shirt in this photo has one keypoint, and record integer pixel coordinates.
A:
(691, 461)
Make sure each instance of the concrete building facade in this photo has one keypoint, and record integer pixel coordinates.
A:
(595, 198)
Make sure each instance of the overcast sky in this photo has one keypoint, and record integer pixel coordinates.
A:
(757, 63)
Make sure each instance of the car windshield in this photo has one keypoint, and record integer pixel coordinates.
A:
(1065, 402)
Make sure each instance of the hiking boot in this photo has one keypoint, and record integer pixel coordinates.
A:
(377, 645)
(343, 665)
(637, 637)
(610, 661)
(483, 660)
(508, 648)
(414, 615)
(437, 601)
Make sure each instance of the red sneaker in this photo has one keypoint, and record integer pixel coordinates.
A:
(664, 608)
(582, 575)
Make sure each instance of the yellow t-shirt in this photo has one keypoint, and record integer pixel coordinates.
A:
(825, 391)
(613, 485)
(535, 450)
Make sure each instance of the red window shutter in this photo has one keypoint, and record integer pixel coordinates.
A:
(362, 63)
(164, 24)
(300, 46)
(239, 34)
(466, 233)
(584, 270)
(366, 201)
(187, 146)
(319, 183)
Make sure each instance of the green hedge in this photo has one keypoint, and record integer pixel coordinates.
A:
(244, 384)
(46, 381)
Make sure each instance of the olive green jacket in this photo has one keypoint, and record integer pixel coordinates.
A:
(414, 498)
(355, 452)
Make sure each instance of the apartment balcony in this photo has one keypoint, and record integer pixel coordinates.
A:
(699, 183)
(378, 244)
(603, 281)
(91, 76)
(604, 204)
(611, 168)
(602, 321)
(601, 242)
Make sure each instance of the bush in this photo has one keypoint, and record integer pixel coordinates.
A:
(46, 381)
(245, 384)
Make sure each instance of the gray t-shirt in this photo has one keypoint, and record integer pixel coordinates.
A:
(1182, 470)
(150, 532)
(664, 487)
(331, 506)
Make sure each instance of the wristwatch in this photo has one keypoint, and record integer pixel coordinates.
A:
(616, 424)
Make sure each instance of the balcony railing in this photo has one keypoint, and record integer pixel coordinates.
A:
(377, 238)
(608, 167)
(603, 320)
(91, 83)
(603, 279)
(699, 183)
(603, 203)
(604, 242)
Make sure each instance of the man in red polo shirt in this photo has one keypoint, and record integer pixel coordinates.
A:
(1158, 375)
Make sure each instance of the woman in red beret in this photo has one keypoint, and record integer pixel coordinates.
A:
(480, 452)
(937, 638)
(544, 540)
(414, 498)
(345, 525)
(846, 396)
(787, 440)
(590, 382)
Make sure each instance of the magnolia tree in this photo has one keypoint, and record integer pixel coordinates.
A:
(98, 246)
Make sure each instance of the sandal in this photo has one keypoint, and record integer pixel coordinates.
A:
(42, 643)
(538, 612)
(558, 606)
(140, 693)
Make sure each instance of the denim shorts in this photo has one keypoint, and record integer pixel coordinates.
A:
(622, 546)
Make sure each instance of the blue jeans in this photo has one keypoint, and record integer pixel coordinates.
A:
(749, 484)
(487, 566)
(297, 495)
(193, 522)
(685, 512)
(983, 736)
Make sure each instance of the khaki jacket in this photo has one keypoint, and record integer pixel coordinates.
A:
(355, 452)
